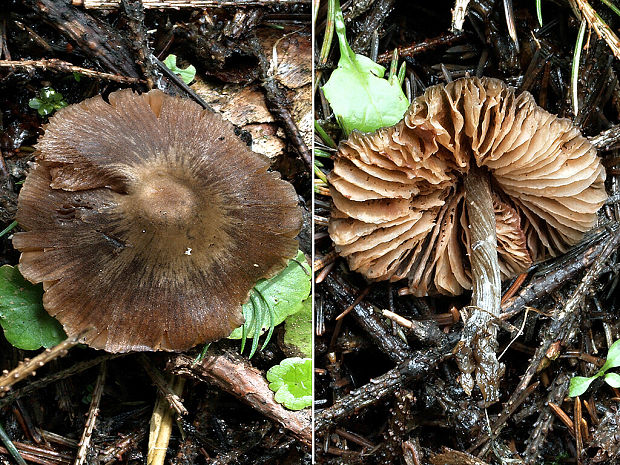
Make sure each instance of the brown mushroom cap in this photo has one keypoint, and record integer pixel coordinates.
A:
(399, 198)
(149, 220)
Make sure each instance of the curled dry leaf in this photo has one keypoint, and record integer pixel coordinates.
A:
(399, 209)
(149, 220)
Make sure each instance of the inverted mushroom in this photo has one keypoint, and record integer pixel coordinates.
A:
(401, 194)
(148, 220)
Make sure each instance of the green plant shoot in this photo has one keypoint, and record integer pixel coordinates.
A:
(291, 380)
(187, 75)
(274, 299)
(361, 99)
(47, 102)
(579, 384)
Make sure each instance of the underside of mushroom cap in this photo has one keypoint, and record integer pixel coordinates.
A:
(398, 194)
(148, 220)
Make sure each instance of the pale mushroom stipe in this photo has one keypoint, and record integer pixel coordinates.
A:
(147, 219)
(401, 208)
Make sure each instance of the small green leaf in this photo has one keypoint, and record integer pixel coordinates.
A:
(26, 324)
(47, 102)
(284, 294)
(34, 103)
(46, 109)
(613, 379)
(358, 94)
(291, 380)
(187, 75)
(613, 357)
(579, 385)
(298, 330)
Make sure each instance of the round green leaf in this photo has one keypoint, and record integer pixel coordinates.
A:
(613, 379)
(187, 75)
(579, 385)
(26, 324)
(298, 331)
(291, 380)
(361, 99)
(284, 293)
(613, 357)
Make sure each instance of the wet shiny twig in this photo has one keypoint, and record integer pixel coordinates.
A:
(55, 64)
(233, 374)
(93, 413)
(560, 329)
(564, 269)
(421, 47)
(545, 420)
(368, 319)
(419, 364)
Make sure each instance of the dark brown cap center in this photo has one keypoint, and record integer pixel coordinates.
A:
(165, 200)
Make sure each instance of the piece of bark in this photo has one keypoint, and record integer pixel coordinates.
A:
(94, 37)
(232, 373)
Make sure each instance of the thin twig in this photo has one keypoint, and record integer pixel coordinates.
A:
(366, 316)
(357, 300)
(419, 364)
(165, 388)
(599, 26)
(420, 47)
(577, 429)
(29, 367)
(93, 412)
(55, 64)
(458, 15)
(52, 378)
(543, 423)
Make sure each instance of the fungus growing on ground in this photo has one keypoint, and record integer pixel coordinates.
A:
(473, 185)
(148, 220)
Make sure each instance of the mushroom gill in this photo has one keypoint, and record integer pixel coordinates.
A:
(399, 201)
(148, 220)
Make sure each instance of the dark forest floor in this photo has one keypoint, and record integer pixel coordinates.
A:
(384, 394)
(232, 49)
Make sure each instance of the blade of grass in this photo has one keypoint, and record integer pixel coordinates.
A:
(575, 65)
(321, 153)
(324, 136)
(316, 4)
(202, 354)
(258, 321)
(402, 72)
(271, 318)
(393, 65)
(320, 174)
(613, 7)
(539, 12)
(6, 440)
(244, 330)
(510, 22)
(8, 228)
(327, 40)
